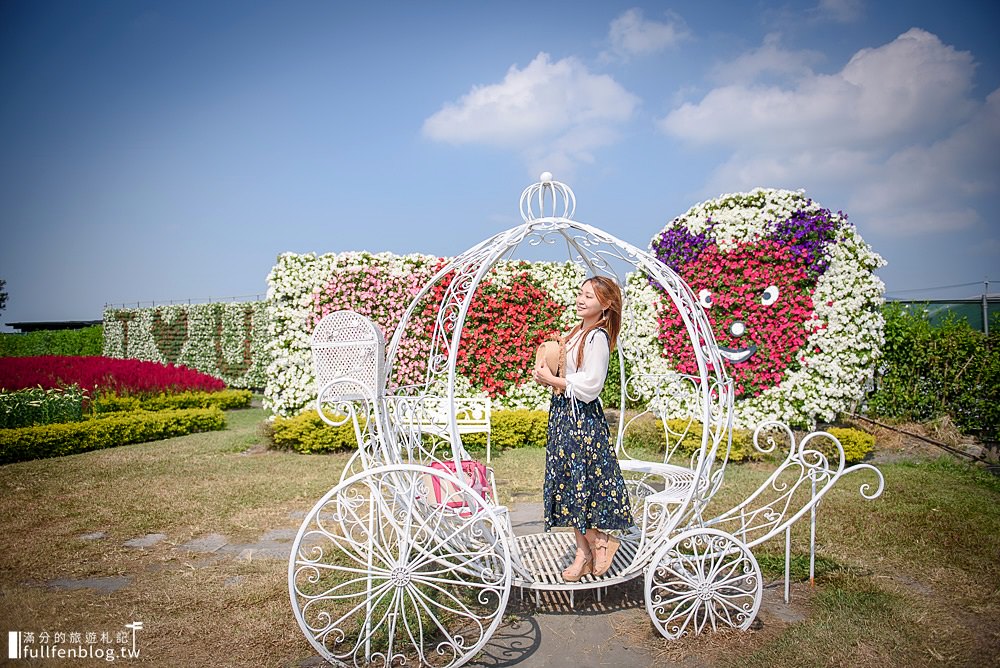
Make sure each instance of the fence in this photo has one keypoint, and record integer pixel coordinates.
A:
(978, 312)
(188, 302)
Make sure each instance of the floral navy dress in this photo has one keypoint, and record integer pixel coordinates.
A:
(584, 487)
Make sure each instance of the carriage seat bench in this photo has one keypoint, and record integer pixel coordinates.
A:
(472, 416)
(677, 479)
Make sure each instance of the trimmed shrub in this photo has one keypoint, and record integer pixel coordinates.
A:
(37, 406)
(857, 444)
(87, 341)
(647, 433)
(308, 434)
(512, 429)
(114, 403)
(224, 400)
(54, 440)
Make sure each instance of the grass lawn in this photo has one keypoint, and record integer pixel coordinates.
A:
(912, 578)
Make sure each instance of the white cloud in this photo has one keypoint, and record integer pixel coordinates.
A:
(910, 86)
(896, 128)
(632, 35)
(769, 59)
(557, 109)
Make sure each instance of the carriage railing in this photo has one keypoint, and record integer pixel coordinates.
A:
(670, 491)
(811, 468)
(364, 414)
(672, 400)
(796, 486)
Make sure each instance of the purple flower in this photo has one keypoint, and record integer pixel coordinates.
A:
(678, 246)
(807, 234)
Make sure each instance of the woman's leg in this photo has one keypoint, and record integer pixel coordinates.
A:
(583, 564)
(603, 552)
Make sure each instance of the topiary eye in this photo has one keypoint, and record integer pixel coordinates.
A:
(770, 295)
(705, 298)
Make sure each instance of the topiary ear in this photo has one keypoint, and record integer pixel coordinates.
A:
(678, 246)
(808, 233)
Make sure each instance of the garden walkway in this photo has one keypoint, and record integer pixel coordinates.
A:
(614, 631)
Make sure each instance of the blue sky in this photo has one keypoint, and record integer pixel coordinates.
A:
(158, 151)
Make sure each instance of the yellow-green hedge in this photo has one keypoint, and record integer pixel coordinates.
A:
(106, 431)
(308, 434)
(224, 400)
(647, 432)
(857, 444)
(512, 429)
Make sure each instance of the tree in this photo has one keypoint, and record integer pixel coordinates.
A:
(3, 294)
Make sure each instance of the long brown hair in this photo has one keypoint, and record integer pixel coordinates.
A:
(609, 296)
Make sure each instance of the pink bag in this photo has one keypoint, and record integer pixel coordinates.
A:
(446, 493)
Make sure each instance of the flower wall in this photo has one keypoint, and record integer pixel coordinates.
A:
(517, 306)
(788, 286)
(225, 340)
(790, 291)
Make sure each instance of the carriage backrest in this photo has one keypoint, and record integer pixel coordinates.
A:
(348, 353)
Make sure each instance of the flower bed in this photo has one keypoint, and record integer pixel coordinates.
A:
(118, 376)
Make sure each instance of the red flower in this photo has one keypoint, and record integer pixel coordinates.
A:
(739, 282)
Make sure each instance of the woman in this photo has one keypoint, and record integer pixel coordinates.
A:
(584, 488)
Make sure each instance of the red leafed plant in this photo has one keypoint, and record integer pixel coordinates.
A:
(103, 374)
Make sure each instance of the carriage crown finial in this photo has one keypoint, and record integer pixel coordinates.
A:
(547, 198)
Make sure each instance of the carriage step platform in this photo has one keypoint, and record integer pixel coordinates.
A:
(546, 555)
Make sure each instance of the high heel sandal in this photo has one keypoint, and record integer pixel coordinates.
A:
(608, 548)
(586, 568)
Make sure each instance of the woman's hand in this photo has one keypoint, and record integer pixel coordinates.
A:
(541, 374)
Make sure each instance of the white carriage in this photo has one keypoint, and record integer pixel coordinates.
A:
(406, 563)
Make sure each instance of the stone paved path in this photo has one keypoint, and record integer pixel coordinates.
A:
(555, 634)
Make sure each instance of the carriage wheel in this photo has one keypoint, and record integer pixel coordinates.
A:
(381, 573)
(702, 577)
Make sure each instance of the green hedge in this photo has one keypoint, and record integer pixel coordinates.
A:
(930, 370)
(308, 434)
(224, 400)
(857, 444)
(647, 433)
(108, 431)
(512, 429)
(87, 341)
(37, 406)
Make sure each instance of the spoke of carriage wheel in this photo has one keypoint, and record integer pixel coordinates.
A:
(417, 642)
(463, 612)
(684, 615)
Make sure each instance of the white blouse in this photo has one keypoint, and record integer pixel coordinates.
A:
(585, 384)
